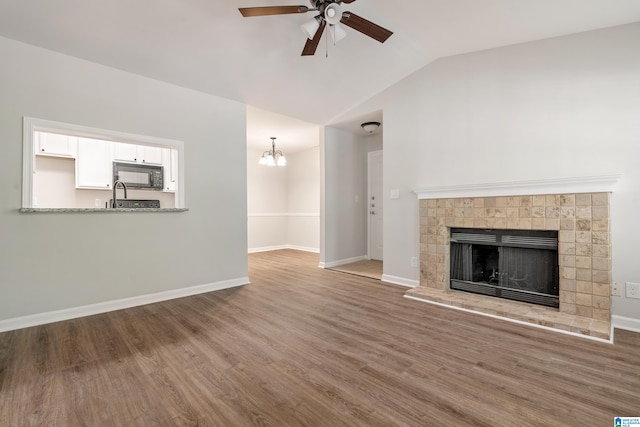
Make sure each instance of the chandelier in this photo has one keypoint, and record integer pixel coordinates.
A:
(273, 157)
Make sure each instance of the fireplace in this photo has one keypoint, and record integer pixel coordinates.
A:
(520, 265)
(575, 211)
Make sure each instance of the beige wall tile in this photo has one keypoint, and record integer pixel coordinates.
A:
(601, 263)
(567, 261)
(602, 302)
(599, 212)
(600, 199)
(552, 200)
(538, 201)
(601, 289)
(552, 212)
(584, 311)
(583, 237)
(568, 285)
(602, 314)
(583, 224)
(585, 300)
(583, 199)
(566, 236)
(583, 262)
(583, 212)
(567, 200)
(600, 225)
(584, 287)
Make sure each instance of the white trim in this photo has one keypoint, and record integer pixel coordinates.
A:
(30, 124)
(342, 261)
(520, 322)
(370, 154)
(304, 249)
(586, 184)
(279, 247)
(103, 307)
(410, 283)
(268, 215)
(626, 323)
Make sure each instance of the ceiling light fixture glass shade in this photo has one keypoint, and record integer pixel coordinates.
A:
(337, 32)
(332, 14)
(273, 157)
(310, 27)
(370, 127)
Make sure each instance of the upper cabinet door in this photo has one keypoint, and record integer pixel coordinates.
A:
(52, 144)
(170, 163)
(137, 153)
(151, 155)
(125, 152)
(93, 164)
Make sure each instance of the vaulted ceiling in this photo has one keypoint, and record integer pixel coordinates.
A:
(208, 46)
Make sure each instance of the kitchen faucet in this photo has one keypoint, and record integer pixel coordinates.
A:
(115, 186)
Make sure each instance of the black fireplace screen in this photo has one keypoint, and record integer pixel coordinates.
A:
(513, 264)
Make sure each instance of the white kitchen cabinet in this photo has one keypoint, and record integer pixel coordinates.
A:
(93, 164)
(137, 153)
(170, 163)
(53, 144)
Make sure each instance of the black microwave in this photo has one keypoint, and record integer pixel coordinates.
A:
(149, 177)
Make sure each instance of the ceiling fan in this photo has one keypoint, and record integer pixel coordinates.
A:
(329, 12)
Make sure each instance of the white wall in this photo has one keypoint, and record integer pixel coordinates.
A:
(60, 261)
(284, 202)
(562, 107)
(345, 197)
(303, 199)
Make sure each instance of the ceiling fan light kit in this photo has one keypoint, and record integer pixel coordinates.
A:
(329, 12)
(310, 27)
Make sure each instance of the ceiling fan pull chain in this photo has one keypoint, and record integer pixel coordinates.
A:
(326, 44)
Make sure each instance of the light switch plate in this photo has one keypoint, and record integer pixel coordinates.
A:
(395, 193)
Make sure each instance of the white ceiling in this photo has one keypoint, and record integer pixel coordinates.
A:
(208, 46)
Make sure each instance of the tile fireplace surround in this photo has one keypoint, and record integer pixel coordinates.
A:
(584, 255)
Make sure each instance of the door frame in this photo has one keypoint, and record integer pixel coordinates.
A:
(368, 204)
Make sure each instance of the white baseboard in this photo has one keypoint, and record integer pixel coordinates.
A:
(279, 247)
(626, 323)
(103, 307)
(304, 249)
(342, 261)
(400, 281)
(267, 249)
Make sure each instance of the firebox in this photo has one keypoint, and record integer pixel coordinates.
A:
(519, 265)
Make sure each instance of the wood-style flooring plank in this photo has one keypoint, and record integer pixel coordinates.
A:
(303, 346)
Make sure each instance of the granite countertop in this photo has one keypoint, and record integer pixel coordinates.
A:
(99, 210)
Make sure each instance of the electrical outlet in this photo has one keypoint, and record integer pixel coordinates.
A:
(633, 290)
(414, 261)
(98, 203)
(616, 289)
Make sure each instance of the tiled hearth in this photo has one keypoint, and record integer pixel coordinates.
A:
(584, 255)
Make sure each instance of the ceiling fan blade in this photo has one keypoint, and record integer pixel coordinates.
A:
(367, 28)
(271, 10)
(312, 44)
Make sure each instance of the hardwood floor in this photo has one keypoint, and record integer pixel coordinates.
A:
(302, 346)
(368, 268)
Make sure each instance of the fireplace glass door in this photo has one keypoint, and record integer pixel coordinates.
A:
(513, 264)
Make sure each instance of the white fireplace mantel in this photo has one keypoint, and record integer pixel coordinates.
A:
(586, 184)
